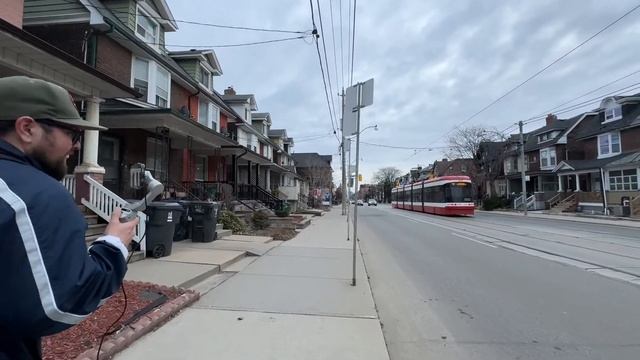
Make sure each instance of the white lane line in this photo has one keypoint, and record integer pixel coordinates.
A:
(474, 240)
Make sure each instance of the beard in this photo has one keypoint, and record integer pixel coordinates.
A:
(56, 168)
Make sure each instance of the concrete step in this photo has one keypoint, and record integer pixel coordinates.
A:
(224, 233)
(219, 227)
(95, 229)
(240, 264)
(90, 239)
(137, 256)
(303, 224)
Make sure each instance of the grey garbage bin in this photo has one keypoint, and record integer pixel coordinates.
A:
(204, 217)
(625, 201)
(161, 221)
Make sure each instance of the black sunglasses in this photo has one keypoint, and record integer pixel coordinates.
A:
(74, 133)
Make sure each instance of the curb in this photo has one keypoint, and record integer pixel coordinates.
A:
(141, 327)
(627, 222)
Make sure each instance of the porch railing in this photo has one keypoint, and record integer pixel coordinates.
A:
(254, 192)
(635, 207)
(103, 201)
(520, 201)
(557, 199)
(69, 182)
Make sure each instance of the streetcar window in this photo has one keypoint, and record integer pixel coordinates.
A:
(458, 192)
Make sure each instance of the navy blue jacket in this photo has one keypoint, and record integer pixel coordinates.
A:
(49, 280)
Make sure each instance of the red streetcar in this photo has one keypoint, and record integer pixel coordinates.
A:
(447, 195)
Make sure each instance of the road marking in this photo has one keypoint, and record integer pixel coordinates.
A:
(474, 240)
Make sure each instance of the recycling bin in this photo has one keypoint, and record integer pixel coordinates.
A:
(161, 220)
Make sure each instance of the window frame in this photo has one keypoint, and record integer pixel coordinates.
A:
(614, 116)
(156, 43)
(152, 80)
(209, 84)
(609, 144)
(619, 179)
(545, 154)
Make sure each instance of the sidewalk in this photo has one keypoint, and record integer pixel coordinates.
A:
(592, 219)
(294, 302)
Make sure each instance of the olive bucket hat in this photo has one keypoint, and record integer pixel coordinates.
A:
(39, 99)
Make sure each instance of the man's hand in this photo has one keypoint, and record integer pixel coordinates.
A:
(123, 231)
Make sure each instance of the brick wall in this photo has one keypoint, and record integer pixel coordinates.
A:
(590, 148)
(180, 99)
(113, 59)
(630, 139)
(12, 11)
(68, 37)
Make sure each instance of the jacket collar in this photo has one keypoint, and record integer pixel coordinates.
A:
(11, 153)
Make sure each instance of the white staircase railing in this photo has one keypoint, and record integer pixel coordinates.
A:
(531, 202)
(519, 202)
(102, 201)
(69, 182)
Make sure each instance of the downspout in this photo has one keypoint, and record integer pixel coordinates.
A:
(604, 192)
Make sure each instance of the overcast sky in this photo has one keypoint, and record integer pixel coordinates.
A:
(435, 63)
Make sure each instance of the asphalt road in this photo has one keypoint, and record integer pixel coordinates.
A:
(501, 287)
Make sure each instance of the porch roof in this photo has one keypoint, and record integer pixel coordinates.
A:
(181, 129)
(22, 53)
(594, 165)
(247, 154)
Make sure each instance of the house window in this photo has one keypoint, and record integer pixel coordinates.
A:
(608, 144)
(548, 158)
(141, 76)
(152, 81)
(203, 113)
(146, 28)
(205, 77)
(613, 113)
(621, 180)
(162, 87)
(201, 168)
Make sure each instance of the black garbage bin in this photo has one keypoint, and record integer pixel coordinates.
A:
(183, 226)
(203, 219)
(161, 221)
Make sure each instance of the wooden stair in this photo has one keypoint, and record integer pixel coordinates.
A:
(568, 204)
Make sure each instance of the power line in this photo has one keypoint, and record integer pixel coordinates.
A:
(404, 147)
(353, 40)
(349, 40)
(324, 80)
(232, 27)
(232, 45)
(326, 64)
(341, 45)
(333, 40)
(544, 69)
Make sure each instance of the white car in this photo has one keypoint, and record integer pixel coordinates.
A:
(372, 202)
(360, 203)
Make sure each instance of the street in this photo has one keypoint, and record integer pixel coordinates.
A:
(502, 287)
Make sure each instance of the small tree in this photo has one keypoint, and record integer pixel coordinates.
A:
(385, 178)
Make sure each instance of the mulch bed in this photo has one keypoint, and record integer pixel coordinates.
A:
(86, 335)
(275, 233)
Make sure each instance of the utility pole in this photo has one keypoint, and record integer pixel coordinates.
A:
(344, 171)
(522, 170)
(349, 189)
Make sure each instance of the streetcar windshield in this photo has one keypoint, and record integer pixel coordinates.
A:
(458, 192)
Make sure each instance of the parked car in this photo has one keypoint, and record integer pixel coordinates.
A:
(372, 202)
(360, 203)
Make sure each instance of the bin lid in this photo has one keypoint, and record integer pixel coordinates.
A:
(165, 205)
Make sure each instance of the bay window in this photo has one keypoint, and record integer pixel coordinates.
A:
(621, 180)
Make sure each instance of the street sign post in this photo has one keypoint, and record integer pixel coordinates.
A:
(357, 97)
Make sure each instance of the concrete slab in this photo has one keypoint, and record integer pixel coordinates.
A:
(291, 295)
(168, 273)
(316, 267)
(255, 248)
(203, 256)
(304, 251)
(240, 264)
(259, 239)
(216, 334)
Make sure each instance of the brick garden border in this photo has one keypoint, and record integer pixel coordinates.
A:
(142, 326)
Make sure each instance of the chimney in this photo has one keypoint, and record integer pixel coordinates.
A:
(551, 119)
(229, 91)
(12, 12)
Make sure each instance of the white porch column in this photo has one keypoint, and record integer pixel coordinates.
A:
(559, 183)
(91, 139)
(577, 182)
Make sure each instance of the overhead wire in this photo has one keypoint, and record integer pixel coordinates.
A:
(353, 41)
(326, 64)
(333, 40)
(543, 69)
(341, 46)
(324, 80)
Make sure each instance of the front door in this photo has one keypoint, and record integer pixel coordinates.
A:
(109, 158)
